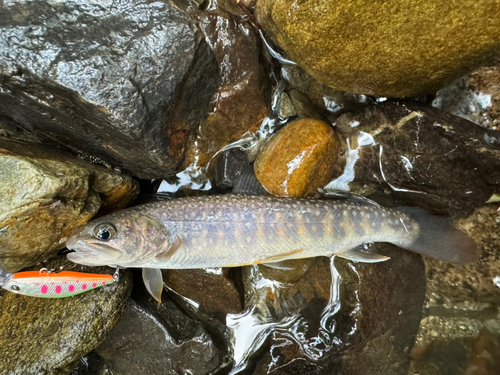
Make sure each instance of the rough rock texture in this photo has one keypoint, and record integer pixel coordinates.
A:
(368, 328)
(475, 97)
(392, 48)
(422, 156)
(154, 338)
(48, 336)
(299, 159)
(242, 99)
(44, 194)
(462, 308)
(129, 89)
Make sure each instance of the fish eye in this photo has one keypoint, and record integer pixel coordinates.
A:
(15, 288)
(104, 231)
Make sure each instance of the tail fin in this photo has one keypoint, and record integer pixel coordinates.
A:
(439, 239)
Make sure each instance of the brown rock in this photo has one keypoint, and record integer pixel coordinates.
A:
(45, 194)
(368, 327)
(392, 48)
(241, 101)
(299, 159)
(420, 155)
(214, 292)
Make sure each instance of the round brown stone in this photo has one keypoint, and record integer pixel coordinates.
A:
(299, 159)
(393, 48)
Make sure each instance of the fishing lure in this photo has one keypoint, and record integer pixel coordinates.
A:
(47, 284)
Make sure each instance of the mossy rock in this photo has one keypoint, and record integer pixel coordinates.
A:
(393, 48)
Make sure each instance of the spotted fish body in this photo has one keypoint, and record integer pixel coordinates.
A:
(54, 285)
(235, 230)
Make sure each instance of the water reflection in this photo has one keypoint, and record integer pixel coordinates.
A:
(271, 314)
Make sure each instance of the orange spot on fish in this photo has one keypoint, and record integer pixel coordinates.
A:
(328, 230)
(300, 230)
(260, 232)
(281, 232)
(237, 233)
(220, 234)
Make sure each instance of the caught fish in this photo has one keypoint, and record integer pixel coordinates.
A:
(238, 230)
(46, 284)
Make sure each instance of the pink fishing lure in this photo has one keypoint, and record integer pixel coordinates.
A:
(45, 284)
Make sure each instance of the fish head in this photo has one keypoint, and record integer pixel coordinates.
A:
(126, 238)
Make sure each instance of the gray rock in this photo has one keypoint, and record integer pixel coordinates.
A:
(475, 97)
(45, 193)
(125, 82)
(158, 339)
(48, 336)
(420, 155)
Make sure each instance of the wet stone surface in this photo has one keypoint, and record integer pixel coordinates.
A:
(459, 331)
(48, 336)
(475, 97)
(299, 159)
(129, 89)
(45, 194)
(241, 101)
(421, 156)
(399, 59)
(358, 332)
(154, 338)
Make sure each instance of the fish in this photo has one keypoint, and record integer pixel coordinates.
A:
(44, 284)
(239, 230)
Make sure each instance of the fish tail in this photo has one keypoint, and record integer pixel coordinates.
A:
(438, 238)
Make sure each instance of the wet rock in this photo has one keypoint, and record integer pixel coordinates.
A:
(48, 336)
(363, 322)
(153, 338)
(421, 156)
(475, 97)
(45, 193)
(310, 92)
(212, 289)
(242, 99)
(229, 168)
(129, 89)
(462, 356)
(462, 305)
(299, 159)
(11, 129)
(394, 49)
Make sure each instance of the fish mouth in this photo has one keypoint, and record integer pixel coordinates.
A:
(99, 254)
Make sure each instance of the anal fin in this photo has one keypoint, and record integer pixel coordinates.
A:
(280, 257)
(360, 254)
(153, 280)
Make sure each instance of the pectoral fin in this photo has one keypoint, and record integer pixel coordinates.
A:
(360, 254)
(153, 280)
(170, 251)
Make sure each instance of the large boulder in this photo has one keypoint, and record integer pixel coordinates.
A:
(241, 101)
(421, 155)
(45, 194)
(126, 82)
(392, 48)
